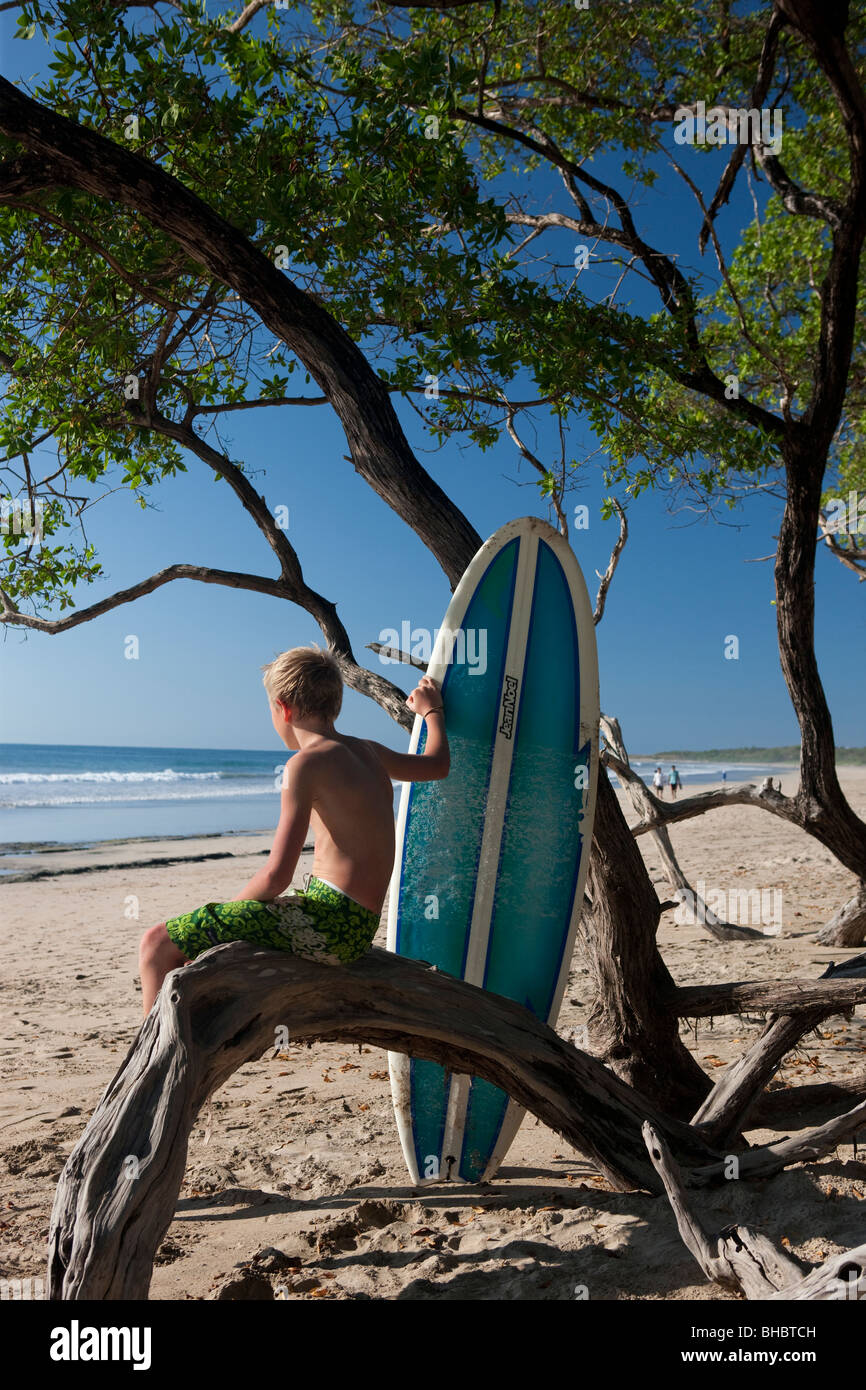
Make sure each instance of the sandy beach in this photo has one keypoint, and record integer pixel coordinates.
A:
(295, 1185)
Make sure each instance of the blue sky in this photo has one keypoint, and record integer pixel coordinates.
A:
(681, 589)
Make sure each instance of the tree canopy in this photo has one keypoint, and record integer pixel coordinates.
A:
(464, 191)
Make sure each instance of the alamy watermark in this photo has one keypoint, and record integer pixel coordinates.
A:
(77, 1343)
(21, 518)
(757, 907)
(728, 125)
(465, 646)
(847, 516)
(30, 1288)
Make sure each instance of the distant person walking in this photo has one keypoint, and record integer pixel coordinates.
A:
(658, 782)
(674, 781)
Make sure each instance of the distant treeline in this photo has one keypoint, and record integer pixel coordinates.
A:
(789, 754)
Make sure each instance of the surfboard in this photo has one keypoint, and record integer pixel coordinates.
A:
(491, 861)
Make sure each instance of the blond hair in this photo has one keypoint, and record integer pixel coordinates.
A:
(308, 679)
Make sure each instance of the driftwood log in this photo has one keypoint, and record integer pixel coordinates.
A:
(835, 996)
(117, 1194)
(748, 1261)
(847, 927)
(615, 757)
(223, 1010)
(795, 1107)
(732, 1101)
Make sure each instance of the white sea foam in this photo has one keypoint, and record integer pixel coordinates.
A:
(167, 775)
(212, 793)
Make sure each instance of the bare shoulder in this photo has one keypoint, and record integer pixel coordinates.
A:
(339, 758)
(373, 753)
(370, 754)
(354, 749)
(359, 746)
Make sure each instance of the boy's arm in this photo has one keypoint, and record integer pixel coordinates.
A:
(296, 804)
(435, 762)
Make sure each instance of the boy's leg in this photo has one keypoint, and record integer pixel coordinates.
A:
(157, 957)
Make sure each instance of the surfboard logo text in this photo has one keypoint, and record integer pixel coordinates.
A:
(509, 700)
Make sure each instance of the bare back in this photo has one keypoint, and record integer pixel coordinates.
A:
(352, 818)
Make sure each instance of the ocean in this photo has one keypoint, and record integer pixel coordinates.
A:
(68, 794)
(72, 794)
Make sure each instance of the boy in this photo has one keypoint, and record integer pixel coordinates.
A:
(339, 786)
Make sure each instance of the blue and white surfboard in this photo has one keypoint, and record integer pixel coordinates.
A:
(491, 861)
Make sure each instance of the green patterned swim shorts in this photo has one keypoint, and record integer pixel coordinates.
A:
(319, 924)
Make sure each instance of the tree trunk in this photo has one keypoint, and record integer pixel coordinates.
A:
(821, 801)
(633, 1025)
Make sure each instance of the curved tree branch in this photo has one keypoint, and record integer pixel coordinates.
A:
(854, 560)
(674, 289)
(759, 92)
(203, 573)
(735, 1095)
(644, 801)
(394, 654)
(769, 996)
(74, 156)
(246, 15)
(667, 813)
(290, 585)
(605, 579)
(747, 1260)
(223, 1011)
(526, 452)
